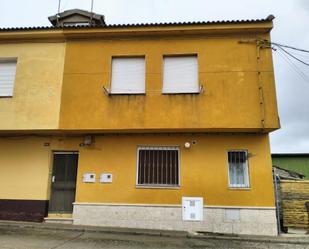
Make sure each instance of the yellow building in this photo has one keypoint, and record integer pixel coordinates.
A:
(161, 126)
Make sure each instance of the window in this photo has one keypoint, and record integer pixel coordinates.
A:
(158, 166)
(7, 77)
(238, 169)
(180, 74)
(128, 75)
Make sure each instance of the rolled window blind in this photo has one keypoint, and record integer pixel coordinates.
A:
(7, 78)
(180, 74)
(128, 75)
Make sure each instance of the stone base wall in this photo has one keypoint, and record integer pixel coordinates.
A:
(255, 221)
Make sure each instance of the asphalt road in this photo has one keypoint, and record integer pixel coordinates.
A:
(25, 238)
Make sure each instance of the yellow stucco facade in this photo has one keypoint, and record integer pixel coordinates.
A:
(29, 174)
(35, 103)
(59, 99)
(229, 72)
(197, 175)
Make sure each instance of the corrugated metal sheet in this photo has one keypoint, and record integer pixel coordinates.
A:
(139, 25)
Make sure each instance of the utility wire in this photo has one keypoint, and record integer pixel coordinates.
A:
(296, 58)
(293, 66)
(296, 68)
(286, 46)
(297, 53)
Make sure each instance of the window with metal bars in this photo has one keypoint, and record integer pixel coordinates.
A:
(238, 169)
(158, 166)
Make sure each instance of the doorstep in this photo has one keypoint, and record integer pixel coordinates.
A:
(58, 220)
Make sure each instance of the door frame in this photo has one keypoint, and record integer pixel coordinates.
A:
(59, 152)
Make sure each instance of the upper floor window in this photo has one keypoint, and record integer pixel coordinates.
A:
(128, 75)
(7, 77)
(238, 169)
(180, 74)
(158, 166)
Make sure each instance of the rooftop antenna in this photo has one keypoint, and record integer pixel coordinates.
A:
(59, 3)
(59, 6)
(91, 11)
(92, 5)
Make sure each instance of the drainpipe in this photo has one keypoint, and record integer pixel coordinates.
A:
(277, 200)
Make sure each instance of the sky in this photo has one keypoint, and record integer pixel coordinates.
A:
(291, 27)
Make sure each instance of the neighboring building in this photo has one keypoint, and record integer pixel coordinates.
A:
(298, 162)
(286, 174)
(160, 126)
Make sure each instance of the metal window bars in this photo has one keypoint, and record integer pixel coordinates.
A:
(158, 166)
(238, 169)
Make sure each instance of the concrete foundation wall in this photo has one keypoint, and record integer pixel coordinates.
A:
(257, 221)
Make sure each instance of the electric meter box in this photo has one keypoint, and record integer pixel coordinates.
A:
(106, 178)
(192, 208)
(89, 177)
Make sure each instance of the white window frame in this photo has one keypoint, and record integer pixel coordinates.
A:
(157, 147)
(10, 60)
(110, 90)
(246, 173)
(165, 92)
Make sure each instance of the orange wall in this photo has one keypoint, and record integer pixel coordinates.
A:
(228, 70)
(203, 170)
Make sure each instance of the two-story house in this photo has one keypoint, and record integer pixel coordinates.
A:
(161, 126)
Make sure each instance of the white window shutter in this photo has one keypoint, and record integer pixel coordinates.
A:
(7, 78)
(128, 75)
(180, 74)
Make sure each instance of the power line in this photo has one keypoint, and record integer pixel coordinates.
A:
(287, 46)
(296, 58)
(294, 67)
(298, 53)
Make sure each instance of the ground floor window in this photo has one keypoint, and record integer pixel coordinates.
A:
(238, 169)
(158, 166)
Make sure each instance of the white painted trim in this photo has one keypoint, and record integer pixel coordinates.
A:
(235, 186)
(166, 205)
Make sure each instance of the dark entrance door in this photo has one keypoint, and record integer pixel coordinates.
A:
(63, 183)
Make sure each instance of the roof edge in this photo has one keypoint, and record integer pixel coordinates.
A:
(269, 18)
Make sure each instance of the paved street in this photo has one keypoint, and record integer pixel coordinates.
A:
(27, 238)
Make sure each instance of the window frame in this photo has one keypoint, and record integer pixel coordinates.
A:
(247, 173)
(158, 147)
(10, 60)
(110, 92)
(198, 72)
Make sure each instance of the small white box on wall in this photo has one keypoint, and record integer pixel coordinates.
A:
(89, 177)
(106, 178)
(192, 208)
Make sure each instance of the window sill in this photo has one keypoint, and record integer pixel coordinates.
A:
(240, 188)
(157, 187)
(128, 94)
(188, 93)
(6, 97)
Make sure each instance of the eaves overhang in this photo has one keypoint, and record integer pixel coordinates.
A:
(216, 28)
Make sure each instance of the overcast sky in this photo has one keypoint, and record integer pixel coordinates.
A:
(291, 27)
